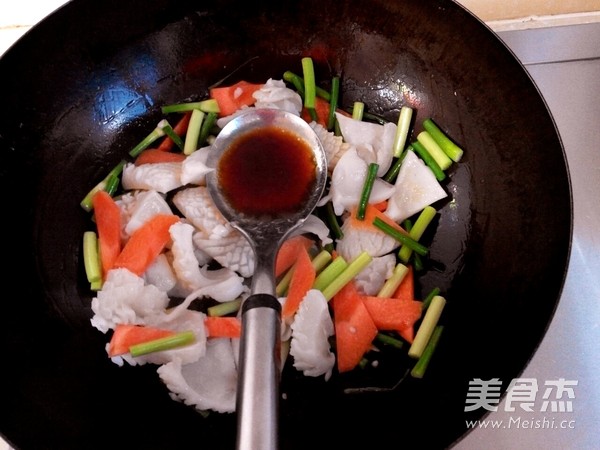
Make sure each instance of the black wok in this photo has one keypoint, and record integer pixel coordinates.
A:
(85, 85)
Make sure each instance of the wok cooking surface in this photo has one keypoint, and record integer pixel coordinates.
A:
(500, 248)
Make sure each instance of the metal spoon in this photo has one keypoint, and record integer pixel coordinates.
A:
(259, 360)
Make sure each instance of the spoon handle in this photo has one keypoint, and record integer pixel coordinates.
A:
(259, 374)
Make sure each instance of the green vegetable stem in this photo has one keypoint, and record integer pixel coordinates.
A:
(436, 152)
(166, 343)
(417, 230)
(418, 371)
(403, 238)
(453, 151)
(333, 102)
(402, 130)
(366, 191)
(429, 322)
(440, 175)
(354, 268)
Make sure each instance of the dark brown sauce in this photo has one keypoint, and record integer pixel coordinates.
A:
(267, 171)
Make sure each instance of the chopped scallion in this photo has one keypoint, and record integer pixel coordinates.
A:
(366, 191)
(166, 343)
(392, 283)
(333, 102)
(417, 230)
(427, 301)
(168, 129)
(329, 273)
(354, 268)
(401, 237)
(145, 143)
(321, 260)
(332, 221)
(428, 159)
(418, 371)
(91, 257)
(193, 132)
(389, 340)
(222, 309)
(453, 151)
(429, 322)
(402, 130)
(284, 283)
(207, 125)
(86, 203)
(310, 86)
(296, 80)
(96, 285)
(318, 262)
(112, 184)
(393, 171)
(207, 106)
(417, 262)
(298, 83)
(358, 110)
(434, 150)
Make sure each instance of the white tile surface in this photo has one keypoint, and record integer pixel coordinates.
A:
(26, 12)
(17, 17)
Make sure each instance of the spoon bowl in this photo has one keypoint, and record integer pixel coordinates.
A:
(252, 152)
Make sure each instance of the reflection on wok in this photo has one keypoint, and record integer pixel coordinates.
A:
(82, 87)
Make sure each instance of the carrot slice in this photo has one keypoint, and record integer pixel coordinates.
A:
(371, 212)
(180, 128)
(381, 206)
(354, 327)
(231, 98)
(302, 281)
(406, 290)
(146, 243)
(154, 155)
(408, 334)
(108, 221)
(322, 109)
(391, 313)
(289, 251)
(125, 336)
(230, 327)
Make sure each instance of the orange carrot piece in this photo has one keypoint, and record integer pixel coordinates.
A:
(302, 281)
(108, 221)
(406, 290)
(289, 251)
(217, 326)
(124, 336)
(180, 128)
(146, 243)
(371, 212)
(154, 155)
(392, 314)
(231, 98)
(354, 327)
(322, 110)
(381, 206)
(408, 334)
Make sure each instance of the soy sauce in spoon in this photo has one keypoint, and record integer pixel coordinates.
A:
(269, 173)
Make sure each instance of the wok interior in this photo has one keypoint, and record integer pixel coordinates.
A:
(499, 252)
